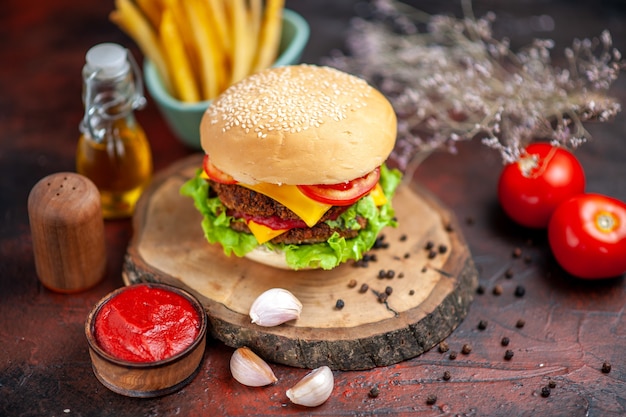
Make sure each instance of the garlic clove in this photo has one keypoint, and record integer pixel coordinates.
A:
(275, 306)
(249, 369)
(314, 389)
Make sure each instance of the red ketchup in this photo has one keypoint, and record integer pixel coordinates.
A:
(146, 324)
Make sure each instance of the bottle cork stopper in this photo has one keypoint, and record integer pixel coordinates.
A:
(67, 231)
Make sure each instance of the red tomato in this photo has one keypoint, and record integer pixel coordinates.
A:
(587, 235)
(343, 194)
(530, 189)
(215, 173)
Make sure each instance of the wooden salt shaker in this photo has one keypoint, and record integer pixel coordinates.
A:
(67, 230)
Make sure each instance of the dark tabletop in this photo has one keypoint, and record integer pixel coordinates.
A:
(571, 327)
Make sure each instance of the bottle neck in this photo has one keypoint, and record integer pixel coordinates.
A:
(108, 99)
(105, 101)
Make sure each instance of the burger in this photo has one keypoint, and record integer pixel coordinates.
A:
(294, 172)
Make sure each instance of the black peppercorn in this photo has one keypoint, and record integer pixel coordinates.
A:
(520, 323)
(390, 274)
(508, 355)
(431, 254)
(403, 237)
(442, 248)
(466, 349)
(443, 346)
(545, 391)
(364, 288)
(505, 341)
(520, 291)
(552, 384)
(374, 392)
(339, 304)
(482, 325)
(411, 292)
(446, 376)
(361, 263)
(388, 290)
(480, 290)
(606, 367)
(382, 273)
(380, 243)
(508, 273)
(429, 245)
(453, 355)
(431, 399)
(382, 297)
(352, 283)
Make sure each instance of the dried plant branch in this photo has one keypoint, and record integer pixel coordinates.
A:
(454, 81)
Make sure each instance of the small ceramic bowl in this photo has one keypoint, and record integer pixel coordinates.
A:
(184, 118)
(146, 379)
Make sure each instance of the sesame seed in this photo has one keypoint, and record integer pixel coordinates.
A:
(259, 104)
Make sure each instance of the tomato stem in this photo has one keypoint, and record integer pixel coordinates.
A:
(533, 165)
(528, 164)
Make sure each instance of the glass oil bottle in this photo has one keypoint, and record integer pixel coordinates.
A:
(113, 150)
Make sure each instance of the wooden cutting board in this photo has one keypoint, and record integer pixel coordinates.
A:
(430, 294)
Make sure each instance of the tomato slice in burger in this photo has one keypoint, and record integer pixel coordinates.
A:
(215, 173)
(342, 194)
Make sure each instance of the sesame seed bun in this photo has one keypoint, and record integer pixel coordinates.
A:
(298, 125)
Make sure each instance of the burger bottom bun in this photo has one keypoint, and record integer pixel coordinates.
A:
(265, 256)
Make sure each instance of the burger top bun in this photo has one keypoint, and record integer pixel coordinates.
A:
(300, 124)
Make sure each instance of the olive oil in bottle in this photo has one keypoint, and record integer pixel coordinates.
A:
(113, 150)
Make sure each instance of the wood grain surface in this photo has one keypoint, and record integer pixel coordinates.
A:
(429, 295)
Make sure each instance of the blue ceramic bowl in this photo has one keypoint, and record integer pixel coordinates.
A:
(184, 118)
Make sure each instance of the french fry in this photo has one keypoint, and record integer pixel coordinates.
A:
(182, 74)
(132, 21)
(270, 34)
(152, 9)
(181, 21)
(219, 19)
(255, 16)
(241, 56)
(200, 47)
(208, 49)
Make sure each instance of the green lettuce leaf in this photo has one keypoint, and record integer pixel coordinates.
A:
(327, 255)
(216, 224)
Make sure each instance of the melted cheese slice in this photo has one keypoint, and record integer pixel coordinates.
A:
(263, 233)
(310, 211)
(378, 195)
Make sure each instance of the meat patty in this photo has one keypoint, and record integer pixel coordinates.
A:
(318, 233)
(244, 200)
